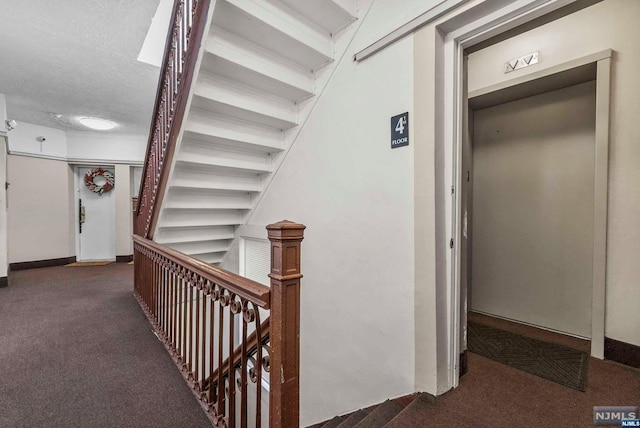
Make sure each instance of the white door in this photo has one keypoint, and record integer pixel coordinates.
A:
(97, 233)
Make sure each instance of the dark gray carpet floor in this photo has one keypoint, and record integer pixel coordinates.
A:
(77, 351)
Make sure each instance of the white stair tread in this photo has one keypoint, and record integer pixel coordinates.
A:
(224, 96)
(274, 29)
(227, 131)
(240, 60)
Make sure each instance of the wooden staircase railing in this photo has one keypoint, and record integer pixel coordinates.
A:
(210, 319)
(213, 324)
(185, 36)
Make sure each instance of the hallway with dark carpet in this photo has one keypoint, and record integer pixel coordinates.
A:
(77, 351)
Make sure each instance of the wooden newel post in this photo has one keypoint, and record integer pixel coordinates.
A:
(284, 397)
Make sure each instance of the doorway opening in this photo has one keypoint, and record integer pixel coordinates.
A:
(95, 216)
(533, 208)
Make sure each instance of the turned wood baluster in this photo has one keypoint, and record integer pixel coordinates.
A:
(231, 377)
(212, 303)
(284, 401)
(196, 362)
(190, 337)
(203, 338)
(243, 372)
(220, 403)
(258, 368)
(185, 285)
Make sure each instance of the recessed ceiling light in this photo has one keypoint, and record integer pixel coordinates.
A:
(97, 123)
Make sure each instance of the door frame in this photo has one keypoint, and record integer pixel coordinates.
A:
(77, 183)
(455, 43)
(453, 35)
(601, 61)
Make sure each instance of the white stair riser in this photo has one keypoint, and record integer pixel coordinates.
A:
(192, 199)
(203, 247)
(329, 15)
(175, 217)
(211, 154)
(195, 234)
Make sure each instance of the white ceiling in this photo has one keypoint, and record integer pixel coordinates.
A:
(77, 58)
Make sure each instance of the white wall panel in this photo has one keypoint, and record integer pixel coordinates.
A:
(355, 195)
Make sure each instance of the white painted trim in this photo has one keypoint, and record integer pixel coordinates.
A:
(76, 161)
(415, 24)
(106, 135)
(565, 66)
(600, 209)
(35, 155)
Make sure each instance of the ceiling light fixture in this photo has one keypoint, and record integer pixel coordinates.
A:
(97, 123)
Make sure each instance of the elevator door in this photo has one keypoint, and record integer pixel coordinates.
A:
(533, 199)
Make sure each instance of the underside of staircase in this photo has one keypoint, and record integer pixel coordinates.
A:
(260, 66)
(398, 413)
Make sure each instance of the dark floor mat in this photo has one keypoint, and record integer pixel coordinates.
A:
(553, 362)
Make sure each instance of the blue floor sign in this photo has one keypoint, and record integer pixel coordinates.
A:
(400, 130)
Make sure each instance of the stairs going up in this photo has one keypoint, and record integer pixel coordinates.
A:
(404, 412)
(259, 65)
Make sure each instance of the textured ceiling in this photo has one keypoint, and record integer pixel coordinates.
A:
(77, 58)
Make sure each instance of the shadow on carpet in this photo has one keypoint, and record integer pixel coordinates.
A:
(549, 361)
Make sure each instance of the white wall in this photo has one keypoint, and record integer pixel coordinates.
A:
(107, 148)
(390, 15)
(41, 215)
(60, 149)
(23, 140)
(77, 147)
(355, 194)
(609, 24)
